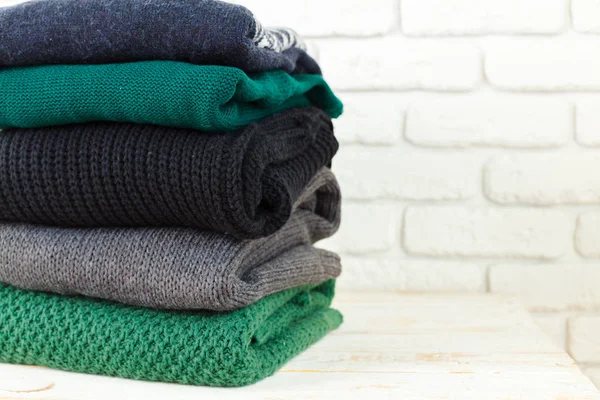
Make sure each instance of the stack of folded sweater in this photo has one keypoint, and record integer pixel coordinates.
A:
(163, 178)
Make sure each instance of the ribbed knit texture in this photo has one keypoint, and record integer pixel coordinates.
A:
(168, 93)
(108, 174)
(205, 32)
(196, 348)
(177, 268)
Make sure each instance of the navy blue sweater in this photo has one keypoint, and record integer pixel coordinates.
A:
(111, 31)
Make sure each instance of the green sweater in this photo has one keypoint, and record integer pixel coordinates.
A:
(168, 93)
(197, 348)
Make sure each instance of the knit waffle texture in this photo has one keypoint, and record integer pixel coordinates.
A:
(168, 93)
(205, 32)
(177, 268)
(194, 348)
(108, 174)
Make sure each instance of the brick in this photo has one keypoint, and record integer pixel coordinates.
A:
(587, 235)
(584, 338)
(554, 326)
(594, 374)
(511, 121)
(484, 232)
(587, 119)
(480, 17)
(395, 63)
(370, 118)
(443, 276)
(549, 287)
(388, 273)
(395, 173)
(360, 273)
(560, 64)
(313, 18)
(544, 179)
(585, 15)
(377, 225)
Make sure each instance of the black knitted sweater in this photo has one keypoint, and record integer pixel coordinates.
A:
(109, 174)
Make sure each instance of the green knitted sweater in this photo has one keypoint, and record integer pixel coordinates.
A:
(166, 93)
(197, 348)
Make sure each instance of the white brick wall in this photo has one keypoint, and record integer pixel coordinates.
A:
(470, 156)
(401, 174)
(567, 177)
(586, 15)
(587, 120)
(387, 273)
(395, 63)
(378, 223)
(502, 121)
(587, 235)
(371, 118)
(485, 232)
(334, 17)
(555, 326)
(549, 64)
(549, 287)
(584, 338)
(480, 17)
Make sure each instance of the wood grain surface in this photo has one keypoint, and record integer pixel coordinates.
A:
(396, 346)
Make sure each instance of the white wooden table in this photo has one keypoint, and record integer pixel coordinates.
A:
(390, 346)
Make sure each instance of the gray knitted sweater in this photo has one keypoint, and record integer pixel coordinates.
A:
(176, 268)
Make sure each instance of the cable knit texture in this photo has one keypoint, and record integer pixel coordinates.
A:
(168, 93)
(196, 348)
(108, 174)
(109, 31)
(176, 268)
